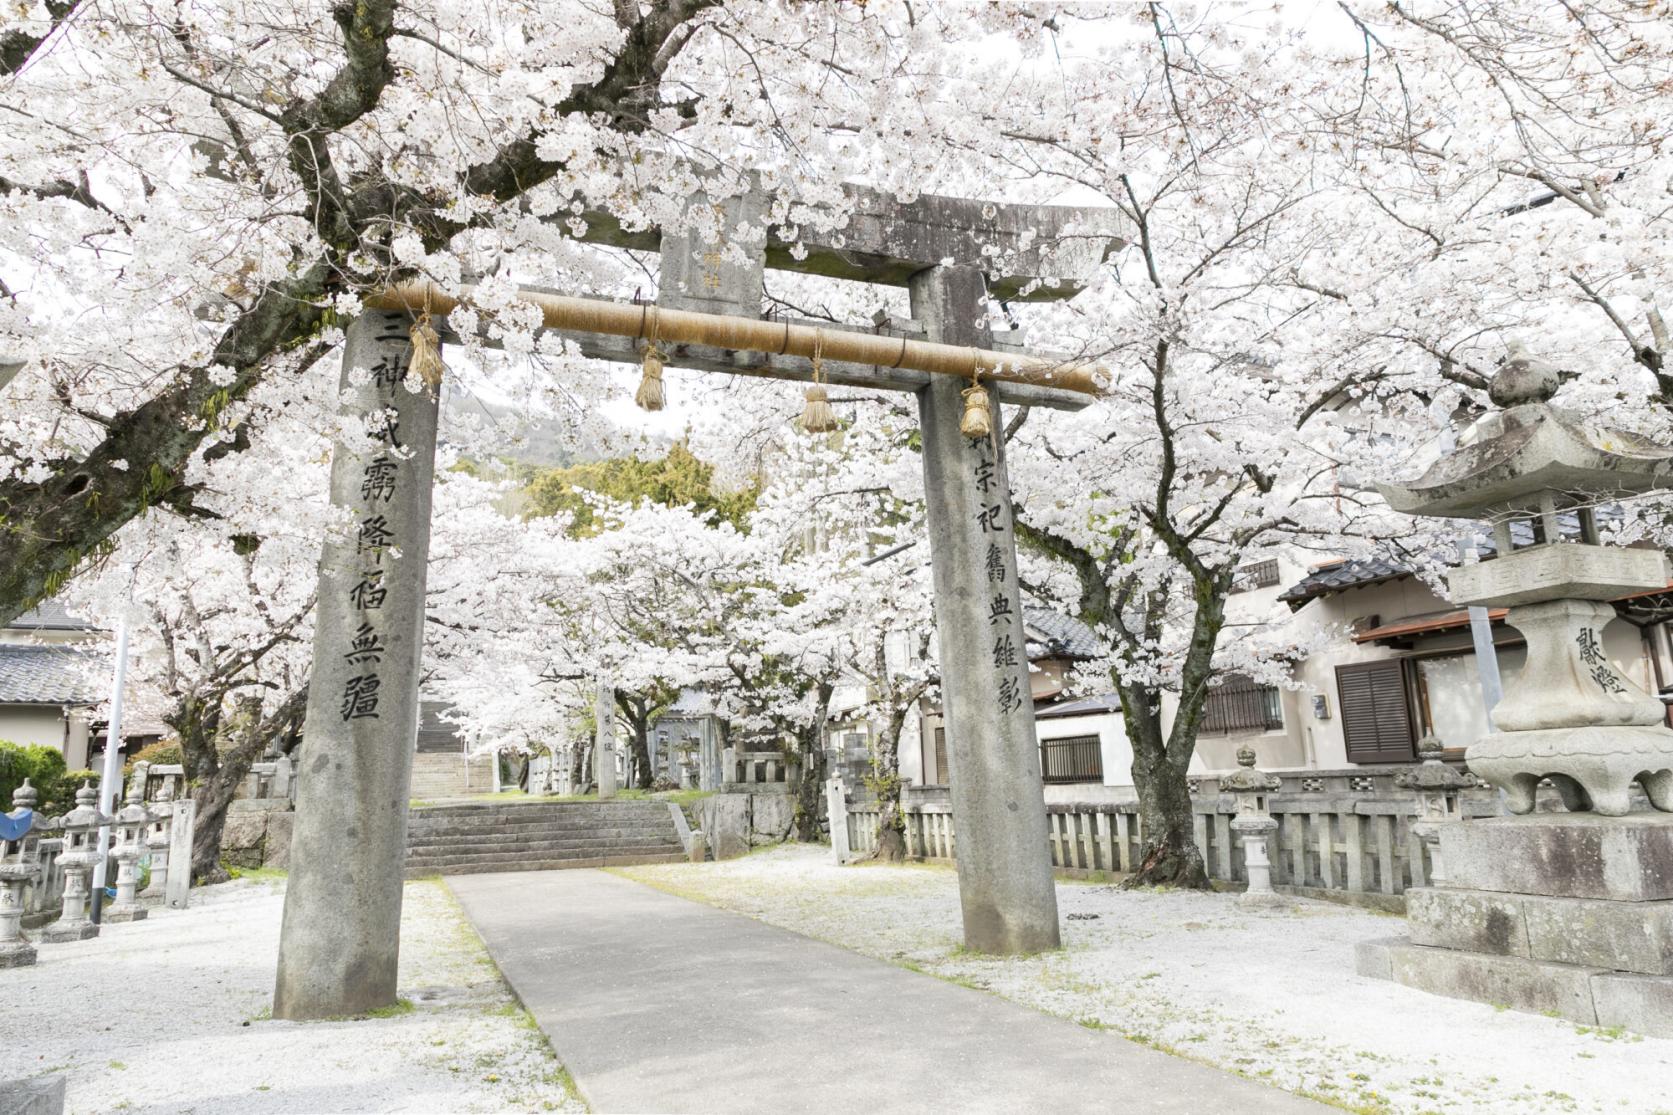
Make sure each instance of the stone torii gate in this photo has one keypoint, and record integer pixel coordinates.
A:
(340, 937)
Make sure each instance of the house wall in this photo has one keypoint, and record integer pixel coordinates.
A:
(40, 725)
(1320, 742)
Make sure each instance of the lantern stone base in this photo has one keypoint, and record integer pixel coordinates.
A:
(1593, 768)
(126, 913)
(1561, 913)
(58, 933)
(1564, 855)
(16, 954)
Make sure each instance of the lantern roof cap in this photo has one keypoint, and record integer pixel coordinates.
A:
(1528, 448)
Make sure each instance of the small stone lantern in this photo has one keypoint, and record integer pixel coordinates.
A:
(17, 869)
(157, 839)
(1253, 823)
(81, 851)
(132, 823)
(1438, 788)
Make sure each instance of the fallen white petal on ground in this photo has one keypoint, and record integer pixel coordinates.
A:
(170, 1014)
(1269, 995)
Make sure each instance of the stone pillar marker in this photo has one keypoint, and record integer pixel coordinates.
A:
(999, 812)
(342, 920)
(836, 809)
(1561, 912)
(181, 823)
(604, 746)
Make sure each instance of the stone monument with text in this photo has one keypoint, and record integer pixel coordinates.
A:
(1564, 912)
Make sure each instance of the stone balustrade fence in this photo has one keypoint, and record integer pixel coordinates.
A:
(749, 771)
(1339, 834)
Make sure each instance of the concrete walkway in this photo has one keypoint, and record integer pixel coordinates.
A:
(657, 1004)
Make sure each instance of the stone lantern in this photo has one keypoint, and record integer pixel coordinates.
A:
(81, 851)
(131, 824)
(1570, 717)
(1565, 913)
(1253, 823)
(157, 833)
(1438, 788)
(17, 869)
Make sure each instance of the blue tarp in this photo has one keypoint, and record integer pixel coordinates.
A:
(14, 824)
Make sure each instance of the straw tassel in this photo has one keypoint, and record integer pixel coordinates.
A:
(649, 395)
(426, 353)
(978, 419)
(817, 415)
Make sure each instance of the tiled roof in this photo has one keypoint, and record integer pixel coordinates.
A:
(1342, 575)
(1085, 706)
(32, 675)
(1358, 573)
(1051, 634)
(49, 615)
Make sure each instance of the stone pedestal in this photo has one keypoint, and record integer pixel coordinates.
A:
(73, 924)
(1567, 913)
(127, 906)
(15, 951)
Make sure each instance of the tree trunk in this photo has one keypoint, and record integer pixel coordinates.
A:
(1168, 855)
(810, 792)
(885, 784)
(215, 774)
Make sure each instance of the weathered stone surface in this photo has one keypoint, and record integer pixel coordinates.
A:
(1506, 981)
(1374, 959)
(242, 839)
(1006, 893)
(1565, 855)
(1626, 936)
(40, 1095)
(772, 816)
(726, 823)
(275, 853)
(1472, 920)
(1642, 1004)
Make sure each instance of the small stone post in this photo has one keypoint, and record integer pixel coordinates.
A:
(340, 941)
(1438, 787)
(604, 747)
(1006, 892)
(81, 827)
(16, 871)
(836, 808)
(1253, 823)
(182, 822)
(132, 823)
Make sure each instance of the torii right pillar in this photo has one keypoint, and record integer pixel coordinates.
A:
(999, 808)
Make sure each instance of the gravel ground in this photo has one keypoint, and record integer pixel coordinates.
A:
(170, 1015)
(1270, 995)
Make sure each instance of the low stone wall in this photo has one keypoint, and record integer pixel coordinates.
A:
(257, 834)
(1341, 834)
(733, 823)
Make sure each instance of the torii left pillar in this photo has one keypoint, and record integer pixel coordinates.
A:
(342, 924)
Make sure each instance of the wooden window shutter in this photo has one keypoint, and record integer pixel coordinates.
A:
(1376, 716)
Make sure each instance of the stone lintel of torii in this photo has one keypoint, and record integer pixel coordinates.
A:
(342, 916)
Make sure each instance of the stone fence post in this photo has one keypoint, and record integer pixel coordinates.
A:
(836, 808)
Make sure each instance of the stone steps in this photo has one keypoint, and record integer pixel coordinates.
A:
(505, 846)
(489, 866)
(480, 834)
(539, 836)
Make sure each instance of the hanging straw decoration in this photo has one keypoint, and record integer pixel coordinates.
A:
(649, 395)
(426, 351)
(978, 418)
(817, 416)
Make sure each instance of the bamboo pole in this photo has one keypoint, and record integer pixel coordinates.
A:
(647, 321)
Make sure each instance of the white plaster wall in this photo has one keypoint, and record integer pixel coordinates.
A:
(33, 724)
(1115, 747)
